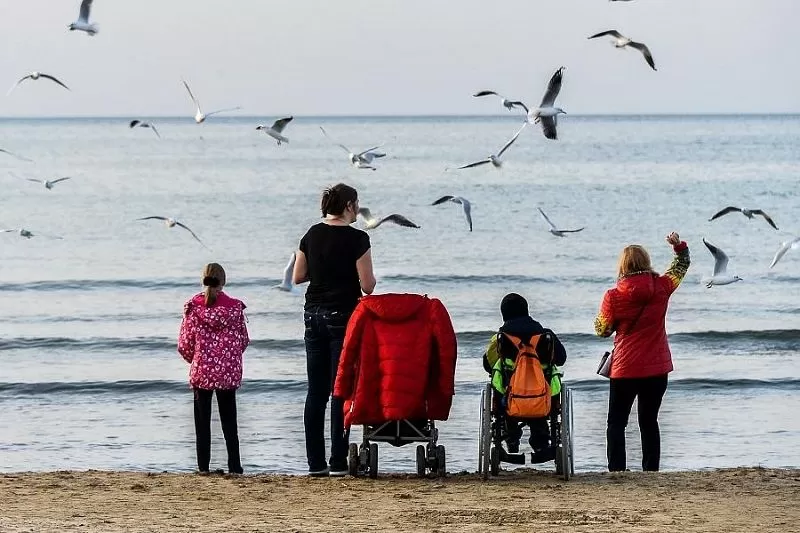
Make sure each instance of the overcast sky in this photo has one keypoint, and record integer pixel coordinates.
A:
(395, 57)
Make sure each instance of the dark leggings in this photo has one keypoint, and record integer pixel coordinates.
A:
(226, 402)
(624, 391)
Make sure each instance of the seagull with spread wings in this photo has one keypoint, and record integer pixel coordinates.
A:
(27, 234)
(553, 229)
(48, 184)
(361, 160)
(620, 41)
(785, 247)
(463, 202)
(199, 116)
(371, 222)
(171, 223)
(12, 154)
(276, 130)
(749, 213)
(721, 276)
(142, 124)
(506, 102)
(547, 113)
(82, 24)
(494, 159)
(35, 76)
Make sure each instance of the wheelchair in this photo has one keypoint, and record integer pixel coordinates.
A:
(493, 433)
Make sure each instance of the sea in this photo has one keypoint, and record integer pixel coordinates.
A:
(89, 373)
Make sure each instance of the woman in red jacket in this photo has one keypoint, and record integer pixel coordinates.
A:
(636, 309)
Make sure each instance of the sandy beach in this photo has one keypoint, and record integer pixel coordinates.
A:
(752, 500)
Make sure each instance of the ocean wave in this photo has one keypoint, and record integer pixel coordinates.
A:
(142, 344)
(267, 386)
(111, 284)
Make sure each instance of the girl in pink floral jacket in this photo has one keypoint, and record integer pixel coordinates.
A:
(212, 340)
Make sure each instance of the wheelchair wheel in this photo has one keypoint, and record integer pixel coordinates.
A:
(485, 442)
(352, 459)
(441, 463)
(422, 460)
(494, 459)
(567, 468)
(373, 460)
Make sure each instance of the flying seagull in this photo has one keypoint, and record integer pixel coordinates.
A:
(12, 154)
(199, 116)
(82, 24)
(48, 184)
(508, 104)
(171, 222)
(286, 284)
(27, 234)
(35, 76)
(466, 206)
(720, 277)
(359, 160)
(553, 229)
(372, 222)
(546, 113)
(620, 41)
(276, 130)
(749, 213)
(494, 159)
(141, 124)
(785, 246)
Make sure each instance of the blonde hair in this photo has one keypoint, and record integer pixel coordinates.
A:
(213, 281)
(634, 259)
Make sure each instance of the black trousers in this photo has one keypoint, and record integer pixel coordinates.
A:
(623, 392)
(324, 337)
(226, 402)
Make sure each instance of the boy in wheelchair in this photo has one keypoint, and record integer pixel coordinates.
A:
(518, 332)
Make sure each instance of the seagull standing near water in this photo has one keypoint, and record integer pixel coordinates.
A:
(199, 116)
(361, 160)
(171, 223)
(721, 276)
(372, 222)
(749, 213)
(34, 76)
(82, 24)
(141, 124)
(276, 130)
(553, 229)
(547, 113)
(465, 205)
(494, 159)
(620, 41)
(785, 247)
(506, 102)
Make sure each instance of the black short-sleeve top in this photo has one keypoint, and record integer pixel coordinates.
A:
(331, 253)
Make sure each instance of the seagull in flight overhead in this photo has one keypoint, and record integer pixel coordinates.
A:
(82, 24)
(553, 229)
(546, 113)
(749, 213)
(12, 154)
(276, 130)
(27, 234)
(286, 283)
(720, 277)
(508, 104)
(372, 222)
(785, 247)
(465, 205)
(620, 41)
(199, 116)
(48, 184)
(35, 76)
(141, 124)
(359, 160)
(494, 159)
(171, 222)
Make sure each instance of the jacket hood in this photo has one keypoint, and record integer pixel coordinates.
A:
(394, 307)
(225, 312)
(639, 287)
(523, 327)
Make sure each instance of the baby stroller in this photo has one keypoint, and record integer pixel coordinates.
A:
(495, 423)
(397, 376)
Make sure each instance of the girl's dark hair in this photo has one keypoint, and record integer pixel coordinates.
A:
(336, 198)
(213, 281)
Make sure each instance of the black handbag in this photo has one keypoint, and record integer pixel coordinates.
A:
(604, 368)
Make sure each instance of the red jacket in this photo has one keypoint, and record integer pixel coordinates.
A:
(641, 349)
(398, 360)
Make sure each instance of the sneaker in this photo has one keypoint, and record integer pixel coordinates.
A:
(325, 472)
(338, 473)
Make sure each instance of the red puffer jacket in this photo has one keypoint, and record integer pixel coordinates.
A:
(398, 360)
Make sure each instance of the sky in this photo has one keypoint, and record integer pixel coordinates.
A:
(398, 57)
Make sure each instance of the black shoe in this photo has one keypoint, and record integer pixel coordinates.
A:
(512, 446)
(543, 455)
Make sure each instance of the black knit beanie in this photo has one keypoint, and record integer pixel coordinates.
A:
(513, 306)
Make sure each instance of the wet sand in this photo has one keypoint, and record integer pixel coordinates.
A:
(753, 500)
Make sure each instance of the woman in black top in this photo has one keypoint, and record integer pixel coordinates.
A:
(336, 259)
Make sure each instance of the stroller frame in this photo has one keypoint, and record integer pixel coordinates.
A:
(430, 457)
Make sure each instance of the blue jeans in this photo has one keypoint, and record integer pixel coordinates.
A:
(324, 336)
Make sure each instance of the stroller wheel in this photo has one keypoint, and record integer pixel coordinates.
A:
(441, 465)
(422, 461)
(373, 460)
(352, 460)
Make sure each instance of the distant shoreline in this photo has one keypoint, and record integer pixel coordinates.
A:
(746, 499)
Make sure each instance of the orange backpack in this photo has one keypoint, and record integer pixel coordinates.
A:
(528, 389)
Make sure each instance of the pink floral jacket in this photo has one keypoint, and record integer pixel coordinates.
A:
(212, 340)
